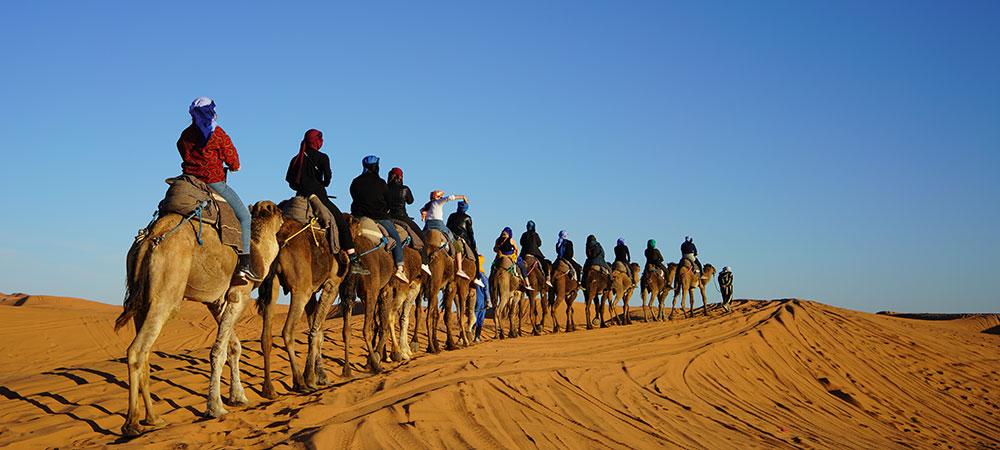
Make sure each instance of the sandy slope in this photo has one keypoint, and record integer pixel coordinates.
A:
(787, 373)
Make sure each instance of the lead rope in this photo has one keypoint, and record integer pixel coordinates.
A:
(308, 225)
(197, 212)
(381, 244)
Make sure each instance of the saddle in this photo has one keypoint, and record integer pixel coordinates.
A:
(186, 193)
(620, 266)
(404, 231)
(303, 210)
(375, 231)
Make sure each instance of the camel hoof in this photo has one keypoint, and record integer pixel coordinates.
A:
(132, 430)
(450, 347)
(268, 392)
(215, 412)
(237, 401)
(158, 422)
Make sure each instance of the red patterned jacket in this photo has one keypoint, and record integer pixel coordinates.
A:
(205, 161)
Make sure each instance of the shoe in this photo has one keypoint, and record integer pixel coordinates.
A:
(528, 287)
(479, 282)
(401, 275)
(356, 267)
(244, 270)
(548, 282)
(425, 268)
(462, 275)
(477, 339)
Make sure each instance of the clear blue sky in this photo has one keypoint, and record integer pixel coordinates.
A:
(844, 152)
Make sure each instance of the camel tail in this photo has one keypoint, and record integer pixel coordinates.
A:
(348, 292)
(264, 294)
(136, 283)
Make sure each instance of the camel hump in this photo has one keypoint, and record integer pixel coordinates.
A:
(620, 266)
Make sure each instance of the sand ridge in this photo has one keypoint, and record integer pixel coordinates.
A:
(773, 374)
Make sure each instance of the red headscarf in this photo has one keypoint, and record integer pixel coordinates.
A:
(314, 140)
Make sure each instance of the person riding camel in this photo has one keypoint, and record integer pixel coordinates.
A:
(460, 224)
(369, 193)
(433, 216)
(564, 251)
(690, 253)
(595, 255)
(399, 197)
(204, 148)
(506, 248)
(654, 258)
(309, 174)
(531, 244)
(622, 254)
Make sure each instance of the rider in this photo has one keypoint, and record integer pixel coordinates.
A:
(460, 224)
(531, 244)
(204, 148)
(564, 250)
(399, 197)
(654, 258)
(690, 253)
(622, 254)
(369, 192)
(433, 216)
(726, 287)
(595, 254)
(482, 294)
(506, 248)
(309, 174)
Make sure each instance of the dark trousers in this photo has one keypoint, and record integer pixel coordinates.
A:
(343, 230)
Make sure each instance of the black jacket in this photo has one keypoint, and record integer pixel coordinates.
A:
(531, 244)
(399, 197)
(315, 175)
(595, 255)
(622, 254)
(688, 247)
(461, 225)
(567, 249)
(370, 193)
(653, 256)
(726, 280)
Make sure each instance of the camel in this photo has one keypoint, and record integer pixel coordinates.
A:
(597, 289)
(304, 265)
(686, 281)
(654, 283)
(622, 287)
(564, 287)
(442, 266)
(460, 291)
(368, 288)
(163, 270)
(535, 298)
(505, 295)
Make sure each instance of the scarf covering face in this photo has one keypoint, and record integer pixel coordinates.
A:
(463, 207)
(621, 241)
(531, 225)
(313, 140)
(203, 115)
(563, 237)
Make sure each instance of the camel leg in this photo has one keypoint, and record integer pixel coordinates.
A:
(237, 397)
(415, 341)
(369, 328)
(404, 326)
(295, 310)
(347, 307)
(642, 295)
(314, 375)
(433, 319)
(704, 301)
(152, 419)
(673, 305)
(570, 325)
(269, 291)
(449, 340)
(138, 361)
(236, 302)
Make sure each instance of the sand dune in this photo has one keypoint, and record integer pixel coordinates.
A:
(785, 374)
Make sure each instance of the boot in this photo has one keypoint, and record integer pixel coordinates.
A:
(244, 270)
(356, 267)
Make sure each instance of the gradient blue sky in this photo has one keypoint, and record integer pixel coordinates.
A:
(844, 152)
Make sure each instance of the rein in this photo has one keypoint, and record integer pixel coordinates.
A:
(197, 212)
(381, 244)
(309, 225)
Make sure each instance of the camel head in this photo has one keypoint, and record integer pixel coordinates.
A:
(707, 271)
(353, 223)
(266, 220)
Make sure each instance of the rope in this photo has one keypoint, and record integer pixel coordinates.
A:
(312, 222)
(381, 244)
(431, 255)
(197, 212)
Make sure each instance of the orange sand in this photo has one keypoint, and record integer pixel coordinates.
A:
(785, 374)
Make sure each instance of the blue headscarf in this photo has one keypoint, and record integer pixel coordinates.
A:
(563, 237)
(462, 206)
(203, 116)
(370, 164)
(510, 233)
(531, 225)
(621, 241)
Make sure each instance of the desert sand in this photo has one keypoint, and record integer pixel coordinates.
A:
(772, 374)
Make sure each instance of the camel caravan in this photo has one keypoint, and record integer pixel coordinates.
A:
(204, 245)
